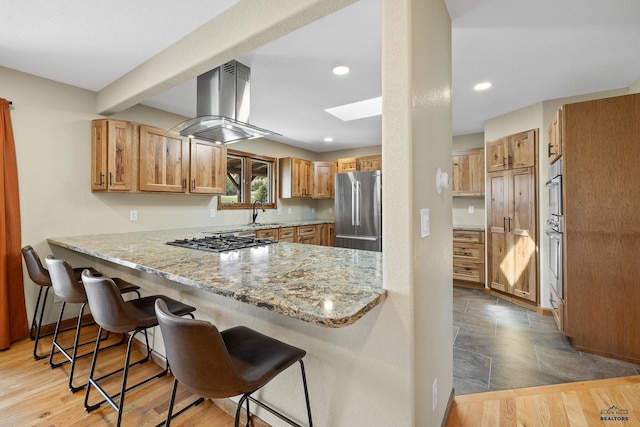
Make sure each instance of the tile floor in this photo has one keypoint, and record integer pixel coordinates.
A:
(498, 345)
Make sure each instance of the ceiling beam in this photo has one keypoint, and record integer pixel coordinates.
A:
(240, 29)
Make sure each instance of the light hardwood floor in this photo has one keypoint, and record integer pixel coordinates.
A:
(578, 404)
(32, 394)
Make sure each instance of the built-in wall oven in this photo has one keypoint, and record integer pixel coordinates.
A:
(555, 227)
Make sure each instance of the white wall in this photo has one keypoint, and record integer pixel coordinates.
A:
(416, 141)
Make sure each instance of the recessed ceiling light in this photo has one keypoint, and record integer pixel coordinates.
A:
(341, 70)
(357, 110)
(482, 86)
(328, 139)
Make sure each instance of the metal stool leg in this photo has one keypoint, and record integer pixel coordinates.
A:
(38, 326)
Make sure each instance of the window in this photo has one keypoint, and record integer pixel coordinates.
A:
(250, 178)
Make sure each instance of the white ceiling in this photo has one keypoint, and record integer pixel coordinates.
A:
(530, 50)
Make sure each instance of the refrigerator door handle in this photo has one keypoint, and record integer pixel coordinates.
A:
(367, 238)
(353, 203)
(358, 197)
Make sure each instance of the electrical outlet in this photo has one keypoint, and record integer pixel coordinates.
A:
(313, 210)
(212, 213)
(434, 393)
(288, 210)
(471, 209)
(279, 211)
(133, 215)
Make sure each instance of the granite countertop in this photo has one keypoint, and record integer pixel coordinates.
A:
(469, 227)
(331, 287)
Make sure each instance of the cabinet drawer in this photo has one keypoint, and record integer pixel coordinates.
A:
(287, 234)
(471, 252)
(469, 271)
(271, 233)
(468, 236)
(307, 230)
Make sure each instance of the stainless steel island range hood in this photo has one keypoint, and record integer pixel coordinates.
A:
(223, 107)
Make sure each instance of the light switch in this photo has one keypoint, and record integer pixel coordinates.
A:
(424, 222)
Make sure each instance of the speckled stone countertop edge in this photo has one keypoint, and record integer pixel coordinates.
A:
(361, 307)
(469, 227)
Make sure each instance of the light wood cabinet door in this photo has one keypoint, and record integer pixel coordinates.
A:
(307, 234)
(287, 234)
(208, 168)
(323, 180)
(306, 178)
(270, 233)
(522, 149)
(296, 178)
(348, 164)
(512, 232)
(468, 172)
(114, 155)
(512, 152)
(164, 161)
(554, 147)
(369, 163)
(497, 155)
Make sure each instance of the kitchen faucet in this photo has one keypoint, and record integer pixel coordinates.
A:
(255, 213)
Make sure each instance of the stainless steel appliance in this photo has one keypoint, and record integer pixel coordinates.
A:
(220, 243)
(555, 227)
(358, 210)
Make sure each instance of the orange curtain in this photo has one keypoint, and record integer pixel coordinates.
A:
(13, 314)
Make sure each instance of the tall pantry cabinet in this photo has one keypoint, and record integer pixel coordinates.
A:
(511, 217)
(601, 205)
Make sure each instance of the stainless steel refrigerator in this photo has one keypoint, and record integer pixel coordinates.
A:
(358, 210)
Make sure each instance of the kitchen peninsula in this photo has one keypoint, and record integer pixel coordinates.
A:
(326, 286)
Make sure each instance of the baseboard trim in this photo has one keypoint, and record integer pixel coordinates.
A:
(544, 311)
(449, 408)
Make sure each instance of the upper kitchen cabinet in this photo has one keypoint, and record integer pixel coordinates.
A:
(323, 180)
(359, 164)
(114, 155)
(208, 168)
(554, 147)
(512, 152)
(468, 172)
(164, 161)
(296, 178)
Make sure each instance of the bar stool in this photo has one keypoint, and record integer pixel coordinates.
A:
(217, 364)
(40, 276)
(113, 314)
(67, 288)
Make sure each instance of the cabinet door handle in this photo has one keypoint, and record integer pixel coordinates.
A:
(101, 179)
(504, 161)
(509, 160)
(193, 187)
(184, 184)
(509, 224)
(550, 151)
(110, 179)
(504, 223)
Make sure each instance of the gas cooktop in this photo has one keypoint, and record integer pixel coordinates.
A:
(220, 243)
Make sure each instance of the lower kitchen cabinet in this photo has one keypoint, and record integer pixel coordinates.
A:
(307, 234)
(287, 234)
(269, 233)
(468, 258)
(511, 232)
